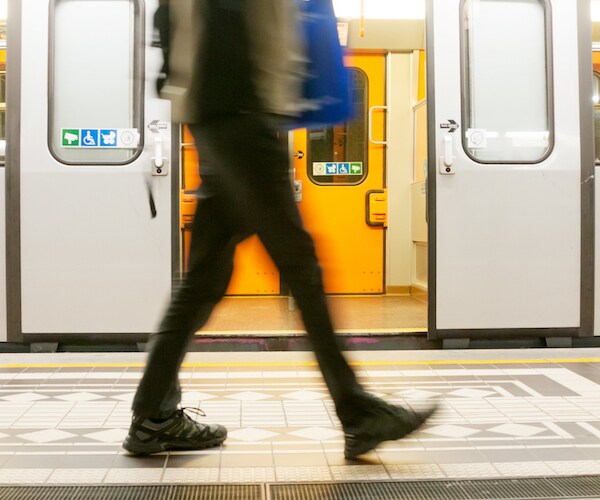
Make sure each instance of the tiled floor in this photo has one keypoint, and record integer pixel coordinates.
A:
(504, 414)
(372, 314)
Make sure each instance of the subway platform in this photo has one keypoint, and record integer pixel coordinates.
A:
(513, 424)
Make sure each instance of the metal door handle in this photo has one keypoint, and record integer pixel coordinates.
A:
(448, 158)
(158, 151)
(447, 166)
(370, 125)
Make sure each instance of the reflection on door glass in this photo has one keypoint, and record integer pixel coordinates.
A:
(506, 76)
(338, 154)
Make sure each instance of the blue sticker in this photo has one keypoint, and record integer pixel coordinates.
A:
(343, 168)
(331, 168)
(89, 138)
(108, 138)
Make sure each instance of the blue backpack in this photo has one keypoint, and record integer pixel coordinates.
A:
(326, 98)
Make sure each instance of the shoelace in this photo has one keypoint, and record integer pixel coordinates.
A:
(186, 410)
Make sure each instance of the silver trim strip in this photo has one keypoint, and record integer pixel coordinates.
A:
(586, 113)
(431, 177)
(176, 261)
(13, 173)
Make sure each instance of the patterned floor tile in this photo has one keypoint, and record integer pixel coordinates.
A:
(247, 475)
(191, 475)
(359, 472)
(303, 474)
(25, 476)
(133, 476)
(61, 426)
(77, 476)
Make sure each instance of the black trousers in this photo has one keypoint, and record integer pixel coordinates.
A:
(245, 190)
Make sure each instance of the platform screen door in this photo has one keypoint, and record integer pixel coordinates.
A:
(510, 158)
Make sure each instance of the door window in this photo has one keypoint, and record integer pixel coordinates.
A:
(507, 82)
(338, 155)
(96, 81)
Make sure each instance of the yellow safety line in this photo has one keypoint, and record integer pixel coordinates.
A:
(311, 363)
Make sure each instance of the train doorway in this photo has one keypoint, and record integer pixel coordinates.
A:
(340, 190)
(340, 178)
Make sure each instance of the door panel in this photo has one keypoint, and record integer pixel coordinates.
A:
(334, 206)
(93, 258)
(505, 165)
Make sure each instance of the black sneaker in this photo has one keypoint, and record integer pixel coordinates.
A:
(178, 432)
(383, 422)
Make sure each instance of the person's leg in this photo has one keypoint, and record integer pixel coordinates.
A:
(254, 172)
(209, 270)
(157, 423)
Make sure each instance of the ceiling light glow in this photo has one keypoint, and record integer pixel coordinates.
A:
(381, 9)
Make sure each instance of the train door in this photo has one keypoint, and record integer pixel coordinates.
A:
(254, 271)
(91, 140)
(510, 168)
(340, 186)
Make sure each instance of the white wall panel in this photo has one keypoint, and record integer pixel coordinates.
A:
(399, 169)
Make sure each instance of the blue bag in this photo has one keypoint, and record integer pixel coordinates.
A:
(326, 98)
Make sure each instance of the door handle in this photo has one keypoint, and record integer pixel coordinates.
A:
(160, 164)
(158, 151)
(376, 209)
(447, 166)
(370, 125)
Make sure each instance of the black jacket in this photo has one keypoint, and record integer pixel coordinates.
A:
(207, 58)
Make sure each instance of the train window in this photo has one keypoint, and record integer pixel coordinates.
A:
(96, 81)
(338, 155)
(507, 81)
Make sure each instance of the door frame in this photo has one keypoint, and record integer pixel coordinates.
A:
(13, 172)
(586, 325)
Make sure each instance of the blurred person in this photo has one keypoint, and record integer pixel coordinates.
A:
(233, 101)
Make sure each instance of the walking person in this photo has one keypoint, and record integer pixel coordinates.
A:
(245, 190)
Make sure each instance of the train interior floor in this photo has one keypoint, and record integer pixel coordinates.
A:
(526, 413)
(375, 314)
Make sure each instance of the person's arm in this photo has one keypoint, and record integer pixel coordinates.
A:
(162, 27)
